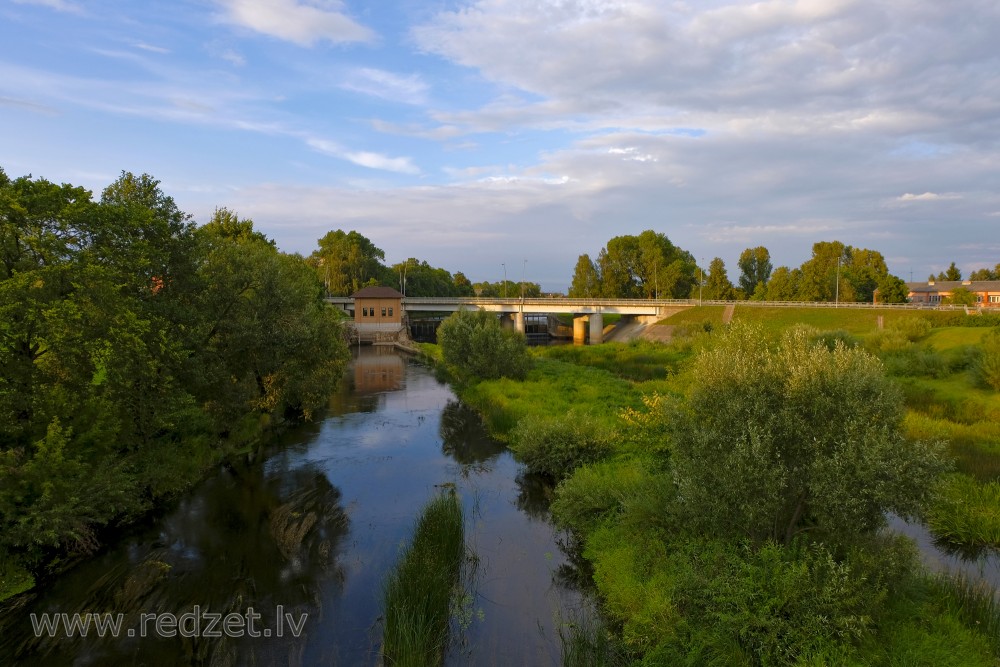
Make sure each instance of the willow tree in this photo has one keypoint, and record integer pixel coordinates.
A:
(781, 438)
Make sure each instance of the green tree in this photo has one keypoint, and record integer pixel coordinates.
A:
(953, 273)
(463, 286)
(783, 285)
(986, 274)
(820, 272)
(586, 279)
(892, 289)
(644, 266)
(755, 269)
(347, 261)
(960, 296)
(717, 285)
(777, 439)
(476, 347)
(864, 271)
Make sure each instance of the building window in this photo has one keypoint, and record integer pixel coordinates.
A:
(935, 298)
(995, 298)
(371, 312)
(365, 311)
(390, 311)
(383, 311)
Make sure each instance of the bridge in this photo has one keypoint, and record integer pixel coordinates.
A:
(513, 310)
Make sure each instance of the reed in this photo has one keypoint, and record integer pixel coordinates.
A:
(417, 594)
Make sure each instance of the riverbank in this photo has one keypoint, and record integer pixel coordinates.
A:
(620, 511)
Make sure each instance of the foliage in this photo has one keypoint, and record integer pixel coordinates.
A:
(988, 367)
(636, 360)
(418, 278)
(892, 289)
(475, 346)
(961, 296)
(986, 274)
(966, 512)
(717, 285)
(417, 595)
(645, 266)
(783, 285)
(131, 345)
(777, 440)
(586, 278)
(755, 269)
(347, 261)
(507, 289)
(555, 446)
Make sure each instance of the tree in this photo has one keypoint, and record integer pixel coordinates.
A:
(717, 286)
(645, 266)
(953, 273)
(779, 438)
(475, 346)
(586, 279)
(783, 285)
(892, 289)
(347, 261)
(960, 296)
(986, 274)
(755, 269)
(863, 272)
(463, 286)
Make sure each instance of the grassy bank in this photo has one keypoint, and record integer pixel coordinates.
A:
(418, 593)
(670, 597)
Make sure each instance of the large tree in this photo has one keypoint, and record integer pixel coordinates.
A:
(755, 269)
(780, 438)
(347, 261)
(586, 278)
(645, 266)
(717, 285)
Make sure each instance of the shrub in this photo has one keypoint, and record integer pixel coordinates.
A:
(555, 446)
(474, 345)
(989, 360)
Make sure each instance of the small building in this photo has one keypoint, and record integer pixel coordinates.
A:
(934, 292)
(378, 314)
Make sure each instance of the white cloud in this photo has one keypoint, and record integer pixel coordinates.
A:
(929, 196)
(301, 22)
(151, 48)
(399, 165)
(58, 5)
(411, 89)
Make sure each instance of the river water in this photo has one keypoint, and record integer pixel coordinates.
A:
(312, 529)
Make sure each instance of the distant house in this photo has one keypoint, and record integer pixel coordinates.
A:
(378, 313)
(933, 292)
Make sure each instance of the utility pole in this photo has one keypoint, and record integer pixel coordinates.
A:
(523, 268)
(701, 280)
(504, 279)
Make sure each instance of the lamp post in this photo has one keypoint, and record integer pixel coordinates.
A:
(701, 280)
(836, 302)
(523, 268)
(504, 279)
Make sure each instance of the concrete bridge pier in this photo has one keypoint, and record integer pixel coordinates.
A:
(519, 321)
(579, 330)
(596, 328)
(507, 320)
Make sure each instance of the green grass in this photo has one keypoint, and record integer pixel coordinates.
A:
(697, 314)
(968, 512)
(14, 580)
(637, 360)
(418, 593)
(949, 338)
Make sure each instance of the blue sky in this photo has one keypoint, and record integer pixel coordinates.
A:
(483, 132)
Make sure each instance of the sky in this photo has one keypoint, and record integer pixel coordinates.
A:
(478, 134)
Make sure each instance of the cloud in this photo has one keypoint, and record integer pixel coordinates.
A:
(58, 5)
(411, 89)
(399, 165)
(27, 105)
(150, 47)
(304, 23)
(929, 196)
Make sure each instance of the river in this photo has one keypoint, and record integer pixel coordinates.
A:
(306, 535)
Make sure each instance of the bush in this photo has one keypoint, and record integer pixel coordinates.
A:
(555, 446)
(475, 346)
(989, 360)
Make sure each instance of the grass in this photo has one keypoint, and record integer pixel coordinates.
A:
(697, 314)
(968, 512)
(637, 360)
(418, 593)
(14, 580)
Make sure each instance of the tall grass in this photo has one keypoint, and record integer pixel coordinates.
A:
(975, 603)
(417, 594)
(966, 513)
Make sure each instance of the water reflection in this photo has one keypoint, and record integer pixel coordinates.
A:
(315, 526)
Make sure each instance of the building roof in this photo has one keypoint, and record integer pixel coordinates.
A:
(376, 293)
(949, 285)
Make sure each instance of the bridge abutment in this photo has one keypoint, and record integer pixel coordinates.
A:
(579, 330)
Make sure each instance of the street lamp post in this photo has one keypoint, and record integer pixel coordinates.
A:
(701, 280)
(836, 302)
(504, 279)
(523, 268)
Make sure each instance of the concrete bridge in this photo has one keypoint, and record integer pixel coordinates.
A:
(513, 310)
